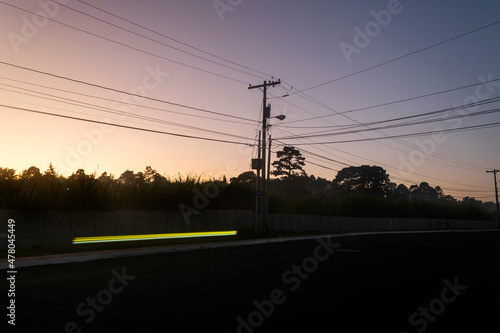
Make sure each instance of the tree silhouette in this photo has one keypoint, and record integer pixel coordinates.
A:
(32, 172)
(401, 191)
(127, 177)
(289, 164)
(319, 185)
(372, 180)
(247, 177)
(7, 174)
(50, 172)
(425, 191)
(8, 186)
(82, 189)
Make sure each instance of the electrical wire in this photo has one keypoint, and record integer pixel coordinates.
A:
(127, 114)
(124, 92)
(125, 45)
(154, 40)
(400, 57)
(82, 1)
(410, 134)
(121, 102)
(173, 39)
(386, 165)
(438, 156)
(122, 126)
(391, 103)
(322, 134)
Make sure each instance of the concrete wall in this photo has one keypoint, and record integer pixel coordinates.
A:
(54, 228)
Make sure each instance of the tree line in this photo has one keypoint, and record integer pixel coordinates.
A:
(355, 191)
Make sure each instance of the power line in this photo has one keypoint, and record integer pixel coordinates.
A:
(322, 134)
(122, 126)
(465, 165)
(439, 156)
(424, 115)
(332, 160)
(125, 45)
(465, 190)
(113, 100)
(349, 118)
(173, 39)
(93, 34)
(386, 104)
(391, 167)
(400, 57)
(301, 92)
(322, 166)
(124, 92)
(409, 135)
(82, 1)
(388, 166)
(131, 115)
(392, 177)
(151, 39)
(402, 179)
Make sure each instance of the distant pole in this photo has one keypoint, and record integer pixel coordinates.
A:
(494, 172)
(266, 111)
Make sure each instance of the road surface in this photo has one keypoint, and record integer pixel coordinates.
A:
(424, 282)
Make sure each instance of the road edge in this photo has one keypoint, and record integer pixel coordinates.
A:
(111, 254)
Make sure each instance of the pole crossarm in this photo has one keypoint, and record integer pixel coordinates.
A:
(265, 84)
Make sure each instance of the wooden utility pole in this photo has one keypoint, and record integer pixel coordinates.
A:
(257, 190)
(267, 177)
(266, 112)
(494, 172)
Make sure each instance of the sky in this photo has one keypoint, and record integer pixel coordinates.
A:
(175, 76)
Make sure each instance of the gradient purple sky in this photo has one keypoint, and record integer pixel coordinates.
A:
(295, 41)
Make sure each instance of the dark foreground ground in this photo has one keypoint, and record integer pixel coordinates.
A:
(433, 282)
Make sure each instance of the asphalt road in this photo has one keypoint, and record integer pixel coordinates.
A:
(432, 282)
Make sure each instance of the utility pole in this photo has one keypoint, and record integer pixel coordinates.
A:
(267, 177)
(257, 189)
(494, 172)
(266, 112)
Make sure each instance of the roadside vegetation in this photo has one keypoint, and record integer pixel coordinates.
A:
(354, 191)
